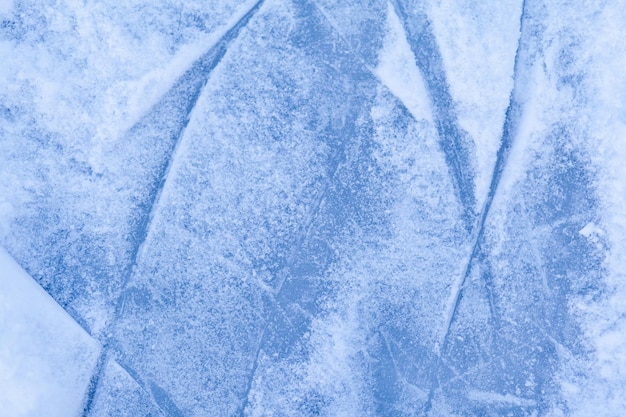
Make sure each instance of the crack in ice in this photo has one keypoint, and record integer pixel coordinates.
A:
(510, 128)
(193, 81)
(512, 118)
(204, 66)
(453, 140)
(401, 102)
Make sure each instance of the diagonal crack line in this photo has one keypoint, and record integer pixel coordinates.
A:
(204, 66)
(453, 151)
(453, 140)
(194, 81)
(396, 368)
(250, 379)
(502, 155)
(364, 64)
(305, 230)
(104, 359)
(94, 381)
(405, 356)
(510, 128)
(509, 131)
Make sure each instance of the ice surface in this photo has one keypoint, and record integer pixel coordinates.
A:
(91, 93)
(46, 358)
(296, 184)
(478, 41)
(118, 394)
(398, 71)
(316, 207)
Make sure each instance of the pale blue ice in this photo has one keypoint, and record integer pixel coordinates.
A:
(313, 208)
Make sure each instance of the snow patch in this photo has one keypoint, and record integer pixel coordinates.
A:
(398, 71)
(141, 94)
(478, 41)
(46, 359)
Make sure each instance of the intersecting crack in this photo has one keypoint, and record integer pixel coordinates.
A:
(192, 82)
(510, 130)
(453, 140)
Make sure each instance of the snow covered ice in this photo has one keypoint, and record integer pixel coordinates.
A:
(312, 208)
(46, 358)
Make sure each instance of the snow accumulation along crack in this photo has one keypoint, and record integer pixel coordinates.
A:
(509, 131)
(312, 208)
(189, 86)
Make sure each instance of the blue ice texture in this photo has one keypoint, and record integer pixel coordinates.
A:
(242, 216)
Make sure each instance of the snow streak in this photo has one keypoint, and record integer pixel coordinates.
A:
(513, 114)
(454, 141)
(510, 128)
(189, 87)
